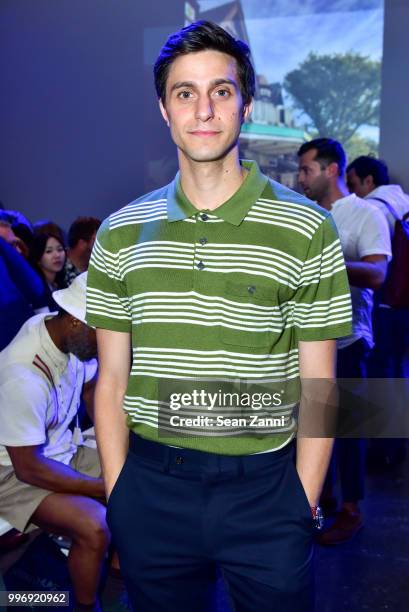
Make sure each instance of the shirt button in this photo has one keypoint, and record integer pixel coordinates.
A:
(179, 460)
(200, 265)
(251, 289)
(203, 241)
(204, 217)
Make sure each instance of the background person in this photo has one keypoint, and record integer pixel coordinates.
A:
(21, 289)
(46, 477)
(22, 229)
(81, 238)
(47, 256)
(369, 178)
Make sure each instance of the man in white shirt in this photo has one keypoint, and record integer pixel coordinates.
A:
(369, 178)
(46, 477)
(365, 241)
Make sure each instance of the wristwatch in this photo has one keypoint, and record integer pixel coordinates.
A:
(318, 517)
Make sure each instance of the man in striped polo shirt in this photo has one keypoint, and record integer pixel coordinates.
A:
(221, 275)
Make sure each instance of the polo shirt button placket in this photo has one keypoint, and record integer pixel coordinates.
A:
(200, 265)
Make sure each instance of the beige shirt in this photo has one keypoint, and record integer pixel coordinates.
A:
(40, 392)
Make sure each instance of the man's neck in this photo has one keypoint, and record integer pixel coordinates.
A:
(371, 193)
(336, 191)
(207, 185)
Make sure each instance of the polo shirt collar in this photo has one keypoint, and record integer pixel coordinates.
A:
(351, 197)
(178, 206)
(57, 360)
(233, 210)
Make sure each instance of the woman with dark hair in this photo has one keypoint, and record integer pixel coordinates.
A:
(47, 256)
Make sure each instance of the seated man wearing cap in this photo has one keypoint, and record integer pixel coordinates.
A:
(46, 478)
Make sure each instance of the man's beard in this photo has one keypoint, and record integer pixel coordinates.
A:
(82, 349)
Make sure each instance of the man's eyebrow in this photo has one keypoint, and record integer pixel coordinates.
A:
(180, 84)
(217, 82)
(192, 85)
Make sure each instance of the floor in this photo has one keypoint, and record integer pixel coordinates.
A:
(372, 571)
(369, 573)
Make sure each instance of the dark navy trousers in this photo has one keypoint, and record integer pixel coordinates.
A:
(178, 517)
(349, 453)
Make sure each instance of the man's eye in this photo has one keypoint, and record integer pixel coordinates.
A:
(223, 93)
(184, 95)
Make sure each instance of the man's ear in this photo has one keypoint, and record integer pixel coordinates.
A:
(368, 182)
(163, 112)
(332, 169)
(74, 322)
(247, 110)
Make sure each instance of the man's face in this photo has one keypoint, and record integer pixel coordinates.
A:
(204, 107)
(81, 340)
(313, 180)
(361, 187)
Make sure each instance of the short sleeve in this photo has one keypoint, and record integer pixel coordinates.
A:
(23, 409)
(322, 302)
(90, 369)
(107, 299)
(374, 239)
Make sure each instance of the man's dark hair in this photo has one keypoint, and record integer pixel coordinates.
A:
(203, 36)
(83, 228)
(328, 151)
(365, 165)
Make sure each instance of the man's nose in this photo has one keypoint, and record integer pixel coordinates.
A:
(204, 108)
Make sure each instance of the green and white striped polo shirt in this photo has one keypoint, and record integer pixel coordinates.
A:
(225, 294)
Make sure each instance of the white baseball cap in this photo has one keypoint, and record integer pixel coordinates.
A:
(73, 298)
